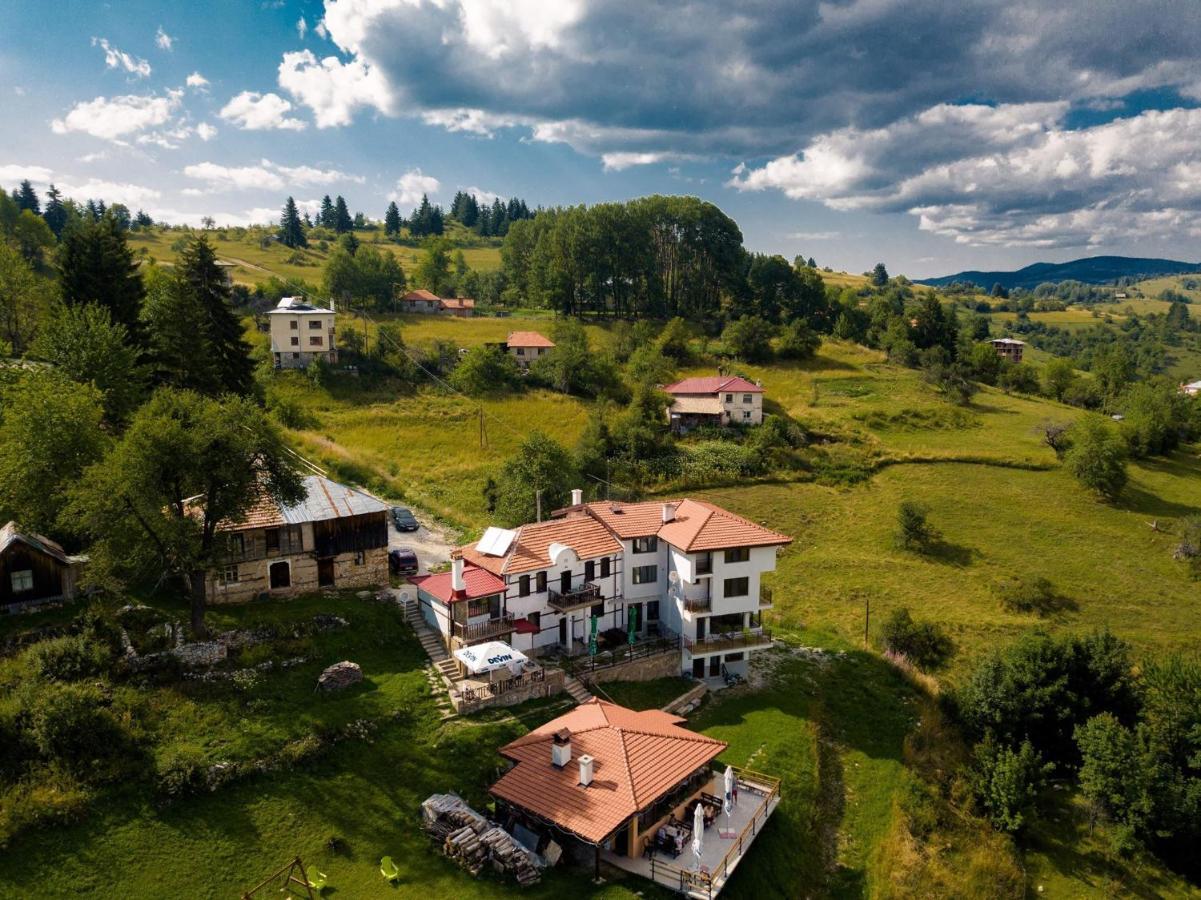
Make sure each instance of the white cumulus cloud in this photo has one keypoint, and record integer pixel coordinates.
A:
(115, 118)
(258, 112)
(196, 80)
(302, 27)
(163, 40)
(264, 176)
(12, 173)
(205, 131)
(333, 89)
(119, 59)
(412, 185)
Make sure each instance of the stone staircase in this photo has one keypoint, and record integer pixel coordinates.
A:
(576, 689)
(442, 669)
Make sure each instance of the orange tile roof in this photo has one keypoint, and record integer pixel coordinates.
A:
(530, 550)
(696, 526)
(457, 303)
(528, 339)
(419, 295)
(638, 757)
(714, 384)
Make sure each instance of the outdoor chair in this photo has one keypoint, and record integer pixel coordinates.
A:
(388, 869)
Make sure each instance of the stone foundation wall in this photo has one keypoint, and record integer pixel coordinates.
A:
(254, 577)
(552, 684)
(648, 668)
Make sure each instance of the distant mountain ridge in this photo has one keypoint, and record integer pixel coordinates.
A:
(1090, 270)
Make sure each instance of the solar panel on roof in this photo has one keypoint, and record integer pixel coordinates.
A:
(496, 541)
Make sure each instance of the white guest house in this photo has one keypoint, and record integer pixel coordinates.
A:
(301, 333)
(682, 569)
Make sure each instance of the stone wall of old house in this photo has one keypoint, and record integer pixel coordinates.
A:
(647, 668)
(253, 577)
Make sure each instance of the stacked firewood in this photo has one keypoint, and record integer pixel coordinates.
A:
(474, 842)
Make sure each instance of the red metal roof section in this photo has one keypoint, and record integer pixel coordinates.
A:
(638, 757)
(479, 583)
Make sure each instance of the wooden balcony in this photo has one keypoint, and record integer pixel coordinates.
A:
(734, 640)
(478, 632)
(580, 597)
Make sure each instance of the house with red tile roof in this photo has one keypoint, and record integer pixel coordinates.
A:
(626, 784)
(334, 537)
(716, 400)
(423, 301)
(464, 605)
(687, 571)
(527, 346)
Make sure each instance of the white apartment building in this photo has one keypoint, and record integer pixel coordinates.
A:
(301, 333)
(682, 568)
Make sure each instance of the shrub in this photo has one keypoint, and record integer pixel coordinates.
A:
(924, 644)
(56, 800)
(71, 723)
(913, 533)
(749, 339)
(798, 340)
(179, 775)
(70, 658)
(15, 746)
(484, 370)
(1007, 783)
(1028, 595)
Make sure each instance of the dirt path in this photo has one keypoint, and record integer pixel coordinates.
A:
(432, 543)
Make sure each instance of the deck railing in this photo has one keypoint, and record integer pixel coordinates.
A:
(586, 594)
(484, 631)
(750, 637)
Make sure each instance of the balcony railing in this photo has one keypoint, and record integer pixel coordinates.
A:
(476, 632)
(697, 604)
(565, 601)
(704, 565)
(710, 643)
(765, 597)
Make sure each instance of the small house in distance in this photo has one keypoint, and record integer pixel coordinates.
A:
(301, 333)
(527, 346)
(1009, 348)
(34, 569)
(717, 400)
(335, 537)
(423, 301)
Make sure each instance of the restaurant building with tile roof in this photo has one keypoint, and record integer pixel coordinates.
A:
(334, 537)
(714, 401)
(684, 570)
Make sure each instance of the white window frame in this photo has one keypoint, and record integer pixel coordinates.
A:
(639, 571)
(21, 581)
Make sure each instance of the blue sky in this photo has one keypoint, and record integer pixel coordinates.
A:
(930, 134)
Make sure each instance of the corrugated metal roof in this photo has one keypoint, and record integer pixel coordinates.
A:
(10, 534)
(325, 499)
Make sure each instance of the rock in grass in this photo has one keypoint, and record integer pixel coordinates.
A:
(340, 676)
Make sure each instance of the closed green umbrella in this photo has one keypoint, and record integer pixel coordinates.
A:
(592, 638)
(633, 610)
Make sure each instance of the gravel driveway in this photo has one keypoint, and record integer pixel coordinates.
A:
(431, 543)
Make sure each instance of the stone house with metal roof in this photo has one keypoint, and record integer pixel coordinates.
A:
(336, 537)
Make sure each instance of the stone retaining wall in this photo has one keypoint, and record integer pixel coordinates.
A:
(646, 668)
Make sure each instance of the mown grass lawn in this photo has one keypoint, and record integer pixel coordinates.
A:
(654, 694)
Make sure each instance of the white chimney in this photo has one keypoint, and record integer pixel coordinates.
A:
(577, 497)
(669, 512)
(456, 574)
(560, 748)
(585, 770)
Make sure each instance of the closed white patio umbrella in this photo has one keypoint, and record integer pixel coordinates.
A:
(729, 799)
(698, 832)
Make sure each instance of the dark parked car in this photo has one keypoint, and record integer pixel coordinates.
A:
(402, 561)
(404, 520)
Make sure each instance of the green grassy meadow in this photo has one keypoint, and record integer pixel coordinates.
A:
(254, 264)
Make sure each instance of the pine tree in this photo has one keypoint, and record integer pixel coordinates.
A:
(308, 221)
(342, 221)
(471, 211)
(392, 220)
(485, 222)
(436, 224)
(27, 198)
(143, 220)
(209, 288)
(420, 223)
(56, 213)
(500, 224)
(97, 266)
(326, 218)
(291, 231)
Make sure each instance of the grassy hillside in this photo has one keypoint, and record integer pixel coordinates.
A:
(254, 263)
